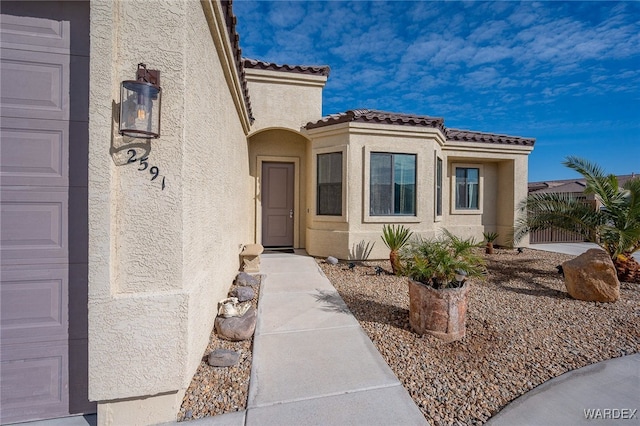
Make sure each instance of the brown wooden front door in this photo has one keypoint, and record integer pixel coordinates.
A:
(277, 204)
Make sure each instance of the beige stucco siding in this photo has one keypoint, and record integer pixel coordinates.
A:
(278, 145)
(502, 181)
(159, 260)
(286, 100)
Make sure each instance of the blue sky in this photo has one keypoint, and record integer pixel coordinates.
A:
(565, 73)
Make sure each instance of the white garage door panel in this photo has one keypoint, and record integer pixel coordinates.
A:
(34, 226)
(35, 34)
(31, 381)
(34, 84)
(34, 152)
(34, 304)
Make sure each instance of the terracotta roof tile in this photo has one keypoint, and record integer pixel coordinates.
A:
(382, 117)
(230, 19)
(300, 69)
(471, 136)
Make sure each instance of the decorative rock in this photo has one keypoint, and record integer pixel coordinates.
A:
(237, 328)
(251, 257)
(592, 277)
(244, 279)
(223, 358)
(441, 313)
(243, 293)
(332, 260)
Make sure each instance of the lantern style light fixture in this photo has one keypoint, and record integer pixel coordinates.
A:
(140, 104)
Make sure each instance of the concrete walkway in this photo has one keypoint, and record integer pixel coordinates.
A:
(604, 393)
(575, 249)
(312, 362)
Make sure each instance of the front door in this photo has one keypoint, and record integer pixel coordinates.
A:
(277, 204)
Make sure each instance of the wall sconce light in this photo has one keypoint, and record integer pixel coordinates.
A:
(140, 104)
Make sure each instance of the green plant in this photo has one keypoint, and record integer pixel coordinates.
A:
(395, 237)
(614, 226)
(490, 237)
(437, 262)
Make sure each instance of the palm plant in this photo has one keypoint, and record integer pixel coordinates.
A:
(395, 238)
(436, 262)
(615, 226)
(490, 237)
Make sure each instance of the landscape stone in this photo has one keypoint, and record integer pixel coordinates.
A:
(332, 260)
(237, 328)
(223, 358)
(592, 277)
(244, 279)
(243, 293)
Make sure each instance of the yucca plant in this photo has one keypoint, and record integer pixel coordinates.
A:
(615, 226)
(395, 237)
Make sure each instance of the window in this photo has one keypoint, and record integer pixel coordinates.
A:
(329, 194)
(438, 186)
(392, 184)
(467, 187)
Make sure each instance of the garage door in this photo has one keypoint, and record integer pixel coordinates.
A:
(43, 188)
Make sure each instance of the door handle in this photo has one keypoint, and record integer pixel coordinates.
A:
(291, 214)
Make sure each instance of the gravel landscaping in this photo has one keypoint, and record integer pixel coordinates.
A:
(522, 330)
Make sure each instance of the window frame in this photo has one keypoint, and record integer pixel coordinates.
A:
(345, 179)
(454, 188)
(392, 176)
(317, 181)
(439, 188)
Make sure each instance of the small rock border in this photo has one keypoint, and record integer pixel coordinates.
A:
(220, 390)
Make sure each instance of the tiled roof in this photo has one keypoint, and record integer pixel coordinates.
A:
(374, 116)
(470, 136)
(300, 69)
(231, 20)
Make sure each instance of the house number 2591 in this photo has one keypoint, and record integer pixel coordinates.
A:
(144, 165)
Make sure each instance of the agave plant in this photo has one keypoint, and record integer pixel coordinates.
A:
(440, 262)
(615, 226)
(395, 237)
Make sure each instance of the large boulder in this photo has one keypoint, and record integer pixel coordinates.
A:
(237, 328)
(592, 277)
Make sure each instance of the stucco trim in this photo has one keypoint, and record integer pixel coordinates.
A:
(296, 195)
(469, 147)
(217, 25)
(314, 184)
(390, 130)
(279, 77)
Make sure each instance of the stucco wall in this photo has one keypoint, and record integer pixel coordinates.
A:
(280, 146)
(503, 180)
(160, 259)
(284, 99)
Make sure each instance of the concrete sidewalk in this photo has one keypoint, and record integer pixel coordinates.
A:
(604, 393)
(312, 362)
(575, 249)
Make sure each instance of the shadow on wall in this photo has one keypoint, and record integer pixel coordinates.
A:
(361, 251)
